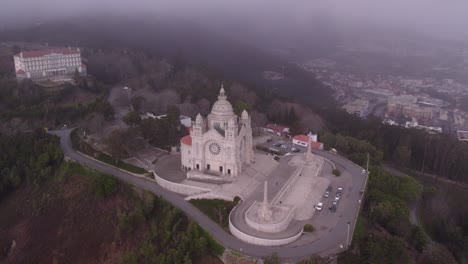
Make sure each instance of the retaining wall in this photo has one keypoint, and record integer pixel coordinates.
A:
(178, 187)
(258, 240)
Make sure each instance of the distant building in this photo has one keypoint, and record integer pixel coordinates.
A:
(357, 107)
(184, 120)
(390, 122)
(280, 130)
(54, 64)
(462, 135)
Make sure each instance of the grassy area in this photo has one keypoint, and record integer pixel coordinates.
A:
(120, 164)
(308, 228)
(87, 149)
(336, 172)
(218, 210)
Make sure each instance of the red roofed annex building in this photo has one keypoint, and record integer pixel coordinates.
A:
(280, 130)
(54, 64)
(303, 140)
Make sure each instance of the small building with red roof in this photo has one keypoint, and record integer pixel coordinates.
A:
(280, 130)
(303, 140)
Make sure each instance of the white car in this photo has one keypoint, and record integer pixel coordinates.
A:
(319, 207)
(364, 171)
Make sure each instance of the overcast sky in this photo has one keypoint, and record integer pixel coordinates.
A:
(445, 18)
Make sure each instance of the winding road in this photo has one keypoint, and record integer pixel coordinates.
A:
(326, 245)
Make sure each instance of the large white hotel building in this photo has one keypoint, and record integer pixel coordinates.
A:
(55, 64)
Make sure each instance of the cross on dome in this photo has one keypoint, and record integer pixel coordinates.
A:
(222, 93)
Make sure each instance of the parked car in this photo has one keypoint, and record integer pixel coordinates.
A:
(339, 191)
(327, 194)
(278, 145)
(294, 150)
(364, 171)
(319, 206)
(337, 198)
(329, 188)
(269, 140)
(333, 208)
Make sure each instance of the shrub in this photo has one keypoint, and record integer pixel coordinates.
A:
(120, 164)
(218, 210)
(336, 172)
(103, 185)
(308, 228)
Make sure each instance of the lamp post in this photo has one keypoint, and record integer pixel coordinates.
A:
(347, 239)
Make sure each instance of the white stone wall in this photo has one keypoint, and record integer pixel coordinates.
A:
(258, 240)
(186, 156)
(178, 187)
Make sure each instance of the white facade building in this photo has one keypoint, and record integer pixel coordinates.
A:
(56, 64)
(220, 144)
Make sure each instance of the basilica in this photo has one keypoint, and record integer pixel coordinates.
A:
(220, 144)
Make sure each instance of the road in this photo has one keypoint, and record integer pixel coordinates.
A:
(325, 245)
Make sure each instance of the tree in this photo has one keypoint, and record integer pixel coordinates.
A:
(273, 259)
(115, 143)
(137, 102)
(106, 109)
(132, 119)
(409, 189)
(240, 106)
(436, 254)
(418, 238)
(402, 155)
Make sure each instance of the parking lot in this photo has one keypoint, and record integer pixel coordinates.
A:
(281, 146)
(330, 199)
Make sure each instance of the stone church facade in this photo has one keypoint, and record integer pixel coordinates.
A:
(220, 144)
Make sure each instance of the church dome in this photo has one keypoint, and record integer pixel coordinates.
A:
(222, 107)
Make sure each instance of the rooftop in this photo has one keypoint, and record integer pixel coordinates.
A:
(303, 138)
(40, 53)
(187, 140)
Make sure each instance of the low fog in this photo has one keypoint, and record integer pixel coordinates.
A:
(436, 18)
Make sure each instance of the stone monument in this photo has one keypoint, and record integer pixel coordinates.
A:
(264, 212)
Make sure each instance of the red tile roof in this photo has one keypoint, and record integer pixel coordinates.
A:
(303, 138)
(40, 53)
(276, 128)
(187, 140)
(316, 145)
(313, 144)
(20, 71)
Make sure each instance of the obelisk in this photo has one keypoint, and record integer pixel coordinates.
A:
(264, 211)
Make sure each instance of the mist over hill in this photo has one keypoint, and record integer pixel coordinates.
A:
(181, 40)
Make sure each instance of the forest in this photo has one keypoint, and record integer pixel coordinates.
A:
(27, 158)
(439, 154)
(32, 164)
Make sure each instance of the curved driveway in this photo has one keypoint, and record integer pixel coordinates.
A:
(323, 246)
